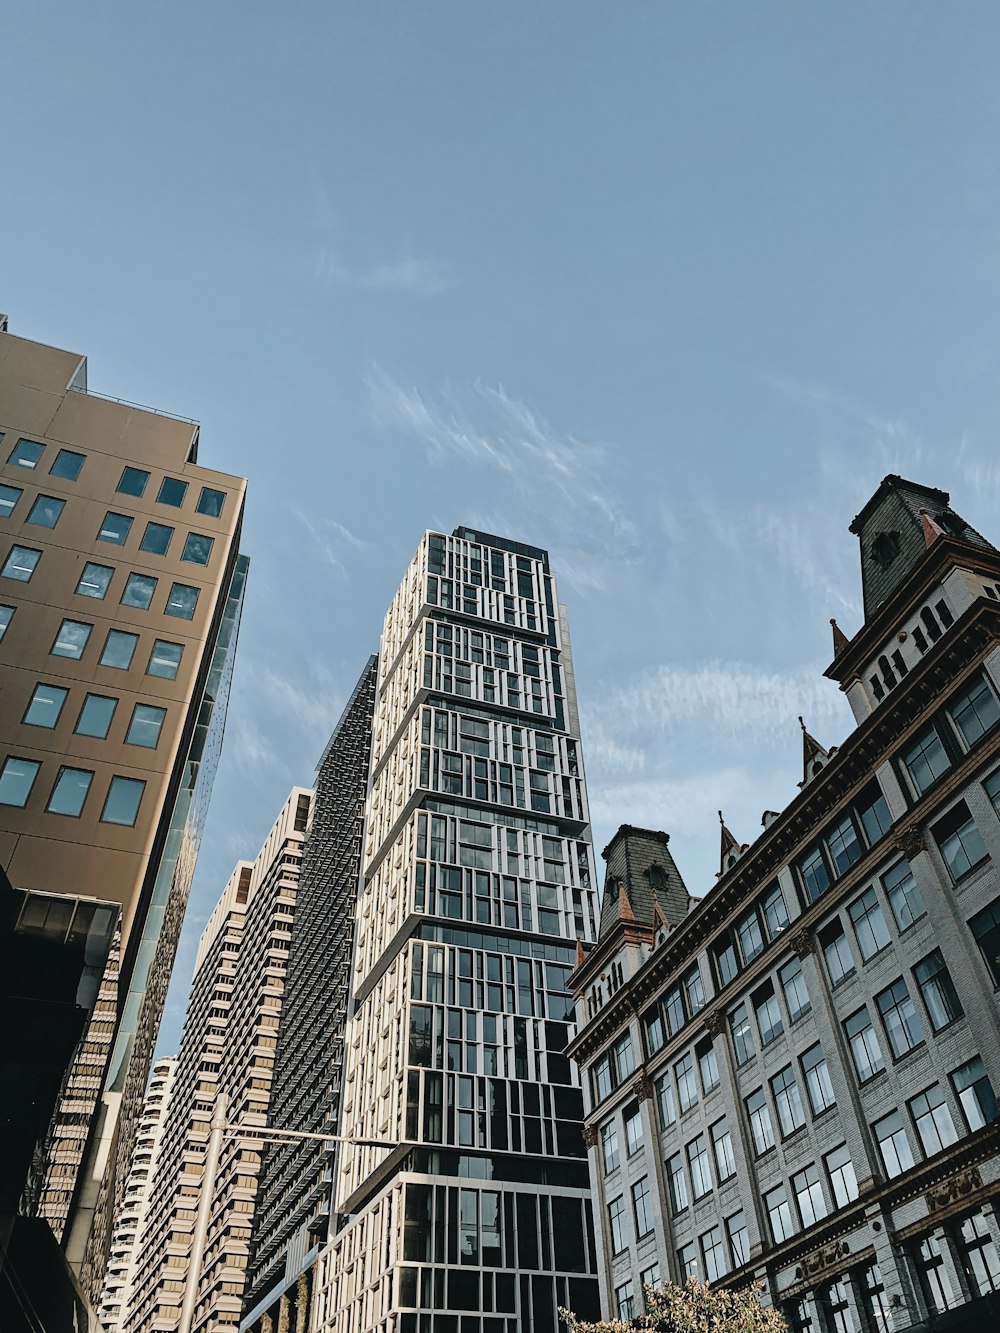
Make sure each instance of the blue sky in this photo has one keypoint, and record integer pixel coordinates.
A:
(667, 288)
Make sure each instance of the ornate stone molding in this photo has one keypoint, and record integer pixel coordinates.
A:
(716, 1023)
(910, 841)
(802, 943)
(952, 1190)
(642, 1086)
(589, 1135)
(828, 1257)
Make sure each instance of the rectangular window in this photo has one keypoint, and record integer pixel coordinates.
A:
(925, 761)
(933, 1121)
(793, 987)
(616, 1225)
(67, 465)
(665, 1107)
(45, 706)
(775, 914)
(122, 803)
(844, 845)
(26, 453)
(750, 935)
(633, 1133)
(165, 659)
(698, 1165)
(893, 1145)
(624, 1058)
(768, 1013)
(601, 1077)
(694, 991)
(115, 529)
(878, 1310)
(840, 1173)
(182, 602)
(642, 1207)
(625, 1300)
(975, 712)
(156, 539)
(742, 1033)
(609, 1146)
(959, 841)
(759, 1116)
(865, 1050)
(992, 787)
(210, 502)
(673, 1003)
(44, 513)
(739, 1239)
(722, 1146)
(903, 894)
(9, 496)
(17, 777)
(70, 791)
(899, 1018)
(650, 1277)
(71, 639)
(934, 1276)
(197, 549)
(727, 963)
(870, 929)
(979, 1255)
(652, 1026)
(779, 1214)
(874, 813)
(6, 616)
(808, 1190)
(118, 649)
(814, 874)
(818, 1085)
(133, 481)
(94, 581)
(687, 1261)
(836, 952)
(172, 492)
(985, 926)
(975, 1094)
(145, 727)
(713, 1254)
(687, 1088)
(95, 716)
(139, 589)
(785, 1091)
(937, 991)
(708, 1065)
(21, 563)
(677, 1183)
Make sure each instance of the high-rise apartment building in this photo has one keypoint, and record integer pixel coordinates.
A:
(476, 886)
(129, 1237)
(228, 1047)
(293, 1208)
(796, 1081)
(121, 585)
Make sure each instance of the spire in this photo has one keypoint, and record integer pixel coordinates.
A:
(624, 906)
(729, 845)
(932, 529)
(840, 639)
(811, 751)
(581, 957)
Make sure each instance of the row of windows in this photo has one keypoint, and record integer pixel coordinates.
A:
(959, 726)
(844, 843)
(68, 464)
(897, 669)
(768, 1012)
(96, 715)
(70, 791)
(119, 647)
(46, 511)
(931, 1118)
(182, 600)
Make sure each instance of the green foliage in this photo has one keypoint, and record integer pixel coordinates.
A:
(694, 1308)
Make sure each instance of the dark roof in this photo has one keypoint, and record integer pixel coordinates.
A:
(641, 868)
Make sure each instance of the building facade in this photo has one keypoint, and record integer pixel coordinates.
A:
(121, 584)
(476, 885)
(795, 1080)
(292, 1216)
(128, 1238)
(228, 1046)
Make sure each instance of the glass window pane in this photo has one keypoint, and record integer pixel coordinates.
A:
(95, 716)
(172, 492)
(71, 639)
(156, 539)
(133, 481)
(144, 729)
(94, 580)
(21, 563)
(6, 616)
(67, 465)
(985, 926)
(198, 549)
(16, 780)
(26, 453)
(904, 896)
(45, 706)
(139, 591)
(182, 602)
(925, 761)
(45, 511)
(70, 791)
(122, 804)
(869, 924)
(115, 529)
(118, 649)
(976, 712)
(210, 502)
(9, 496)
(959, 840)
(165, 659)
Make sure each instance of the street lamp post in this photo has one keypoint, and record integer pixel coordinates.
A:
(220, 1127)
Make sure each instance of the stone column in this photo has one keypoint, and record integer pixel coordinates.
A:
(596, 1167)
(643, 1088)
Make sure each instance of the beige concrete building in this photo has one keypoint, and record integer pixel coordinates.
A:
(120, 591)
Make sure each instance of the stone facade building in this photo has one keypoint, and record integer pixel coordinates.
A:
(794, 1078)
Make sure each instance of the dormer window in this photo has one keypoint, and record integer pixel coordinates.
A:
(951, 523)
(885, 548)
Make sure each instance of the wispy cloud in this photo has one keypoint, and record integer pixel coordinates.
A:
(419, 277)
(554, 483)
(333, 542)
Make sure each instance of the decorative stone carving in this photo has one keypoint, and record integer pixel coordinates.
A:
(952, 1190)
(802, 943)
(910, 841)
(589, 1135)
(828, 1257)
(716, 1023)
(642, 1086)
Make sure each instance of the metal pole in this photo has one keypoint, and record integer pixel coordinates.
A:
(206, 1194)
